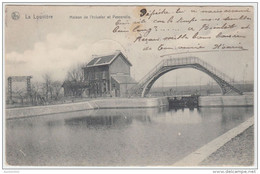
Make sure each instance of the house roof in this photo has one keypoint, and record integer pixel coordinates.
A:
(106, 60)
(124, 79)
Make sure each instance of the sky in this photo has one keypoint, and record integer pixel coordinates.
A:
(51, 46)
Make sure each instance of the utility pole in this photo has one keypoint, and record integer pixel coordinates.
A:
(162, 87)
(9, 90)
(200, 85)
(244, 75)
(176, 83)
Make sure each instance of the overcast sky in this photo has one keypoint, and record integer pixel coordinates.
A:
(35, 47)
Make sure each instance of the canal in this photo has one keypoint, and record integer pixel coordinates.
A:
(117, 137)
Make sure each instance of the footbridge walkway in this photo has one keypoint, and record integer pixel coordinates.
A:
(166, 65)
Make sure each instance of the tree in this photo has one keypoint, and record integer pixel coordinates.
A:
(22, 95)
(76, 73)
(36, 93)
(56, 88)
(47, 86)
(75, 80)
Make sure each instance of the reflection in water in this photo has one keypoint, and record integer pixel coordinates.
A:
(155, 136)
(96, 121)
(113, 117)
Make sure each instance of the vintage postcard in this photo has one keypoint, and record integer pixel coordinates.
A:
(152, 85)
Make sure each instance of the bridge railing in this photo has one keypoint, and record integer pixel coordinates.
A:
(152, 72)
(215, 71)
(167, 62)
(180, 61)
(183, 61)
(192, 60)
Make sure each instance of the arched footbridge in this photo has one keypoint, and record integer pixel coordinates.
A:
(166, 65)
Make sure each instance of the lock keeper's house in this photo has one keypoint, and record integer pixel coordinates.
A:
(109, 76)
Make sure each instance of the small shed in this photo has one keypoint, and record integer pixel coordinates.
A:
(121, 84)
(74, 88)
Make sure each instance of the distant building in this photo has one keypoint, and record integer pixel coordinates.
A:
(74, 88)
(109, 76)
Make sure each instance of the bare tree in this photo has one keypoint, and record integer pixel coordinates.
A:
(76, 73)
(22, 95)
(56, 88)
(37, 93)
(75, 80)
(47, 86)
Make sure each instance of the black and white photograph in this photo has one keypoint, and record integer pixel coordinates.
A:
(130, 85)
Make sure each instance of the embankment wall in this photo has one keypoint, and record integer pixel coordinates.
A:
(87, 105)
(219, 101)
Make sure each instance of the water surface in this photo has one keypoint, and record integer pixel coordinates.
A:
(117, 137)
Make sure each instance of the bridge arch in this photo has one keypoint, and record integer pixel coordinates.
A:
(145, 84)
(149, 84)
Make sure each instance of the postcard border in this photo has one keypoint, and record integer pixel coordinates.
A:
(134, 4)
